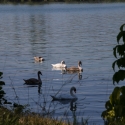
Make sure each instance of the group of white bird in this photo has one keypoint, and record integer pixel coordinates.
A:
(34, 81)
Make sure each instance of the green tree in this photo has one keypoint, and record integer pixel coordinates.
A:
(120, 62)
(115, 106)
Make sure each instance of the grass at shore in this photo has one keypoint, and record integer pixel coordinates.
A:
(10, 117)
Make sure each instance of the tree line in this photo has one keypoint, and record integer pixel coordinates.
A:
(41, 1)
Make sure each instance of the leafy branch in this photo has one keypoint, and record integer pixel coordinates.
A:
(119, 49)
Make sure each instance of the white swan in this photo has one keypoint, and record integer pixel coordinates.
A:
(66, 97)
(73, 69)
(34, 81)
(38, 58)
(60, 65)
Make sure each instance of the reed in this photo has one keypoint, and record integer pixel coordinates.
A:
(9, 117)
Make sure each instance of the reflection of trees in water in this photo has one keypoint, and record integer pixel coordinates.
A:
(37, 33)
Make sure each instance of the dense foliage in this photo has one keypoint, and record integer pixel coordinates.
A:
(120, 62)
(115, 106)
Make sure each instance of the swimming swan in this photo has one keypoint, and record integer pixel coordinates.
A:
(66, 97)
(60, 65)
(38, 58)
(79, 68)
(34, 81)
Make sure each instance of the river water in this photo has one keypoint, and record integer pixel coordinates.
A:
(69, 32)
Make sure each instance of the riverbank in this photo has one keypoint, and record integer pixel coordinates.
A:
(32, 2)
(15, 117)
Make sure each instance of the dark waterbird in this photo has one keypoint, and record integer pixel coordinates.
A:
(34, 81)
(75, 69)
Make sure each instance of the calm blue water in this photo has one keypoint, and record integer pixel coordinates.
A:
(69, 32)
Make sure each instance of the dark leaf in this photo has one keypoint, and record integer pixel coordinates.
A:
(120, 75)
(121, 28)
(114, 51)
(123, 90)
(1, 73)
(6, 102)
(122, 100)
(108, 105)
(2, 83)
(121, 49)
(124, 36)
(113, 65)
(2, 92)
(120, 63)
(104, 114)
(116, 95)
(1, 96)
(119, 36)
(118, 110)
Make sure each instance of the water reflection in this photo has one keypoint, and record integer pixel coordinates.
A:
(67, 102)
(80, 76)
(73, 108)
(39, 87)
(77, 73)
(63, 70)
(37, 32)
(38, 61)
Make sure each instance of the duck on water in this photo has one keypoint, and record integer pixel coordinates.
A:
(39, 58)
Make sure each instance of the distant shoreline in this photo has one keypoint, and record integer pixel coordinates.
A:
(33, 2)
